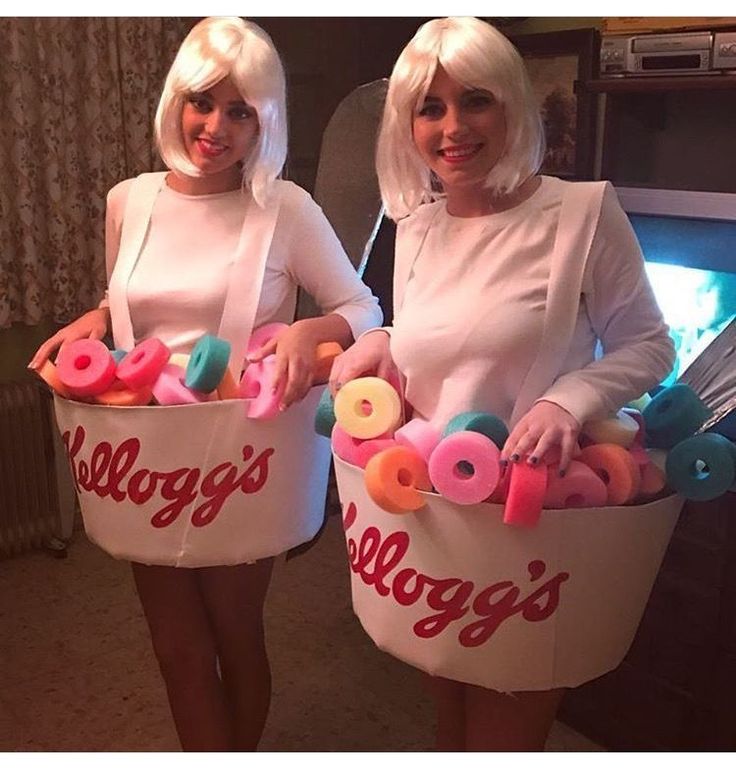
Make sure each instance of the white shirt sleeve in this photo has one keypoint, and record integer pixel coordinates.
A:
(637, 349)
(317, 262)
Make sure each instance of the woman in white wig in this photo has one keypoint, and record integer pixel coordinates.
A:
(458, 156)
(221, 130)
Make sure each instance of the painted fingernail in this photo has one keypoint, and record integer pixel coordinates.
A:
(515, 458)
(562, 473)
(282, 407)
(503, 463)
(533, 460)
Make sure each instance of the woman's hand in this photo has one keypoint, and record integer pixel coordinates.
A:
(91, 325)
(371, 354)
(295, 349)
(541, 431)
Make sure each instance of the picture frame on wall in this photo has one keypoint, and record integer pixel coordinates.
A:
(559, 64)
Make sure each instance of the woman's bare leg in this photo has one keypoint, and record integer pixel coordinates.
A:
(186, 651)
(500, 722)
(234, 598)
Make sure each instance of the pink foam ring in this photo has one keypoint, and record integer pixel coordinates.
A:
(344, 445)
(501, 492)
(420, 435)
(640, 455)
(169, 388)
(527, 489)
(464, 467)
(265, 405)
(250, 384)
(263, 335)
(143, 364)
(86, 367)
(370, 447)
(552, 457)
(653, 480)
(580, 488)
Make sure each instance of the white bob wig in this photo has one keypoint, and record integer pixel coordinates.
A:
(476, 55)
(217, 47)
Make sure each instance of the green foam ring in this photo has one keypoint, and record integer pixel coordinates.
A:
(702, 467)
(479, 422)
(673, 415)
(207, 363)
(324, 418)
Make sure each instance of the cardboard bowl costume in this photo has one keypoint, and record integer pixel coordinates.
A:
(196, 485)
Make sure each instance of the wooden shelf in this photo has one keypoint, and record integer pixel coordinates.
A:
(659, 83)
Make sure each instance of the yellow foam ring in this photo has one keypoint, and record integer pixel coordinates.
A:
(620, 430)
(640, 403)
(48, 373)
(179, 359)
(394, 476)
(227, 389)
(385, 407)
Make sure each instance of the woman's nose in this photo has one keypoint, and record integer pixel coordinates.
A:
(215, 123)
(454, 123)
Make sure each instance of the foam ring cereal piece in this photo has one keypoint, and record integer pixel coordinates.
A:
(702, 467)
(47, 372)
(143, 364)
(169, 389)
(325, 355)
(501, 492)
(263, 335)
(250, 384)
(384, 406)
(120, 395)
(464, 467)
(640, 455)
(356, 451)
(616, 467)
(580, 488)
(207, 363)
(420, 435)
(393, 478)
(525, 499)
(479, 422)
(369, 448)
(674, 414)
(620, 429)
(86, 367)
(640, 403)
(653, 480)
(228, 388)
(265, 405)
(324, 417)
(118, 355)
(179, 359)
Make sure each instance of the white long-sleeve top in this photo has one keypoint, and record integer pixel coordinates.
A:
(178, 286)
(469, 328)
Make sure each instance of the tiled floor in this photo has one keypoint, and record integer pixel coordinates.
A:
(77, 672)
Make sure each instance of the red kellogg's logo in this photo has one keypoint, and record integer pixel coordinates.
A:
(111, 473)
(375, 558)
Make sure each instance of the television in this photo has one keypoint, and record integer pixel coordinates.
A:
(689, 243)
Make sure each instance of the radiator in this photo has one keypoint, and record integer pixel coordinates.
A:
(29, 493)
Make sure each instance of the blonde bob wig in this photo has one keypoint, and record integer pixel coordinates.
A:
(476, 55)
(217, 47)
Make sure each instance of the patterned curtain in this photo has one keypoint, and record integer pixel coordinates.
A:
(77, 101)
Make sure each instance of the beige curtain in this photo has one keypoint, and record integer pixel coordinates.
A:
(77, 101)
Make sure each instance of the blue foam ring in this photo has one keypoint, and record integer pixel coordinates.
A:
(324, 418)
(207, 364)
(479, 422)
(674, 414)
(701, 467)
(118, 355)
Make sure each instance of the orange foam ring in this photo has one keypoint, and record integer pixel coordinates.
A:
(227, 389)
(47, 372)
(525, 498)
(653, 480)
(120, 395)
(394, 476)
(616, 467)
(326, 353)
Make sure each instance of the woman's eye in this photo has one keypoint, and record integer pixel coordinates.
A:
(479, 101)
(241, 112)
(430, 110)
(199, 103)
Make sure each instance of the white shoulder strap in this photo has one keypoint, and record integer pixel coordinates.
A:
(579, 215)
(246, 272)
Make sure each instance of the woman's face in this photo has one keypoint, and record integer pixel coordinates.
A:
(219, 128)
(460, 133)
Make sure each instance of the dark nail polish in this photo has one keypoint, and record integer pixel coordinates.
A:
(503, 463)
(514, 458)
(562, 473)
(533, 460)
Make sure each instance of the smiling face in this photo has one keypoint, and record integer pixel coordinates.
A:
(460, 133)
(219, 129)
